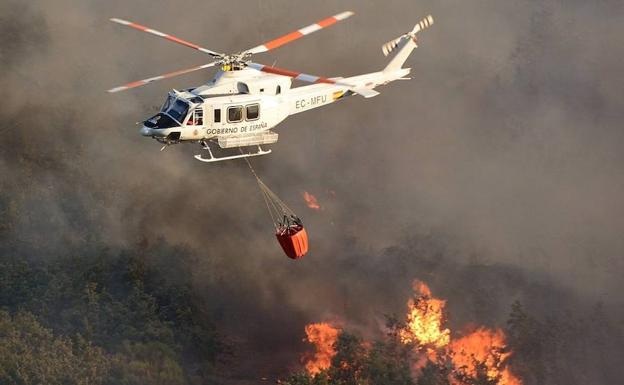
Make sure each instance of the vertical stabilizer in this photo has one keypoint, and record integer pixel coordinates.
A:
(403, 46)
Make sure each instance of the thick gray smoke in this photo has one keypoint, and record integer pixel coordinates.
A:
(505, 149)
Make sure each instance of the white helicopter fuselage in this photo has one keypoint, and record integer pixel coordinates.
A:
(202, 113)
(242, 103)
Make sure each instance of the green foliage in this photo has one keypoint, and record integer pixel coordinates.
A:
(31, 354)
(306, 379)
(348, 363)
(434, 374)
(389, 363)
(146, 324)
(153, 363)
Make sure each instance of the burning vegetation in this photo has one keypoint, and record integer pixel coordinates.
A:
(323, 336)
(424, 320)
(482, 353)
(479, 354)
(422, 347)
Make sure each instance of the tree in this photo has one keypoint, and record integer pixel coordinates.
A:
(388, 363)
(347, 365)
(136, 315)
(433, 373)
(481, 375)
(146, 363)
(31, 354)
(528, 339)
(307, 379)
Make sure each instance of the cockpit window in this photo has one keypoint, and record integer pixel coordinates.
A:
(160, 121)
(178, 110)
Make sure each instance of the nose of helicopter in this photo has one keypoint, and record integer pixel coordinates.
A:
(145, 131)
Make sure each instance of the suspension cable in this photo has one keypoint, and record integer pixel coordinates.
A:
(273, 203)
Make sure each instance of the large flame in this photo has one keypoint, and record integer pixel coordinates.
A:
(425, 328)
(323, 336)
(482, 352)
(311, 201)
(425, 318)
(488, 347)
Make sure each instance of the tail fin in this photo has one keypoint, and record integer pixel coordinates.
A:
(403, 45)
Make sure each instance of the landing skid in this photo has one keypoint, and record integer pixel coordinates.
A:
(213, 158)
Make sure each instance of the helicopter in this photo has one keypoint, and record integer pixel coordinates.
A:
(245, 100)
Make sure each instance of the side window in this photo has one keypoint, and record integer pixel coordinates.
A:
(278, 90)
(196, 118)
(253, 111)
(217, 115)
(243, 88)
(235, 114)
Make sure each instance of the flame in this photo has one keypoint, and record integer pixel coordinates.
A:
(425, 318)
(482, 351)
(425, 328)
(311, 201)
(487, 346)
(323, 336)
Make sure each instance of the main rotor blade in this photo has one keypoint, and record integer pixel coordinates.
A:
(292, 74)
(365, 90)
(160, 77)
(280, 41)
(165, 36)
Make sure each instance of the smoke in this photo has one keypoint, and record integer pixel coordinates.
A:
(501, 159)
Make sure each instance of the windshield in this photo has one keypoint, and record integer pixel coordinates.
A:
(160, 121)
(178, 110)
(167, 104)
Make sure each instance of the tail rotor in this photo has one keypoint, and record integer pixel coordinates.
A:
(393, 44)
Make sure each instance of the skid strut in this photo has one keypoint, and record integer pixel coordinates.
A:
(213, 158)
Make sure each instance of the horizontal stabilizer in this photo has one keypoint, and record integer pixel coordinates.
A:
(366, 92)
